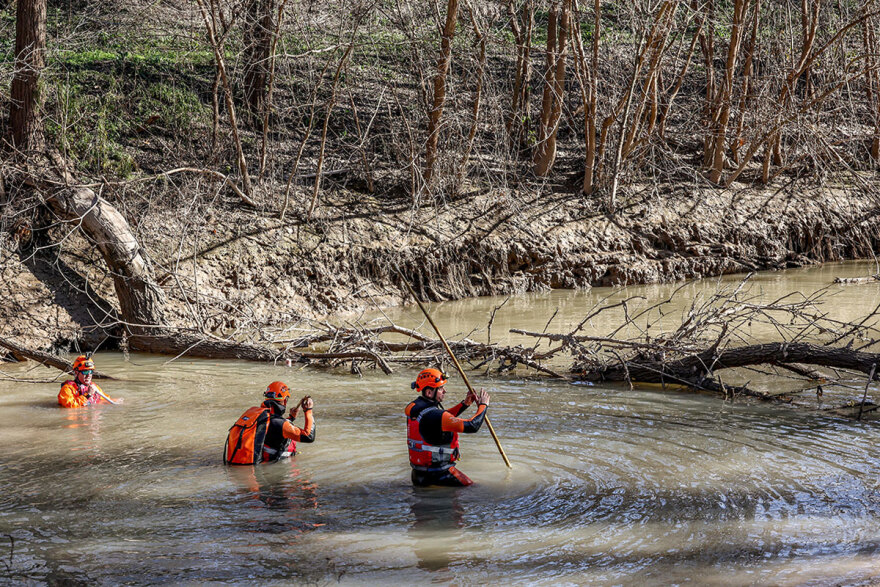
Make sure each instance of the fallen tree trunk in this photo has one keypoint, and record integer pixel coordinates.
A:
(702, 365)
(141, 300)
(22, 354)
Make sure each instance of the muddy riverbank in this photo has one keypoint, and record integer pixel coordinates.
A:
(246, 274)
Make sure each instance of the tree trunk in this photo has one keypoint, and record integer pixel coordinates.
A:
(751, 50)
(220, 62)
(259, 32)
(721, 114)
(690, 369)
(590, 115)
(478, 93)
(440, 89)
(588, 75)
(27, 99)
(554, 86)
(707, 44)
(140, 298)
(519, 108)
(872, 83)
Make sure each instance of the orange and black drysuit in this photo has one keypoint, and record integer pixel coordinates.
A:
(74, 394)
(282, 435)
(432, 439)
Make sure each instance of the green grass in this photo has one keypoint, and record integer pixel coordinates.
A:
(102, 100)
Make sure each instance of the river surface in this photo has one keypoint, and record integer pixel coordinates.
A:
(609, 486)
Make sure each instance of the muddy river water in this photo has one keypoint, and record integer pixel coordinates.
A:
(608, 486)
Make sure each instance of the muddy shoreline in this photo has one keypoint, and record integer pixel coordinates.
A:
(233, 272)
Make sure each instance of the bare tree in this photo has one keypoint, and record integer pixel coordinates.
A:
(558, 26)
(259, 36)
(220, 61)
(439, 100)
(521, 23)
(721, 103)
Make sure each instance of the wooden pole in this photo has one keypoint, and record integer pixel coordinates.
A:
(457, 366)
(105, 397)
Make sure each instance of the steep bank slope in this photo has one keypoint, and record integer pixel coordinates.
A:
(256, 277)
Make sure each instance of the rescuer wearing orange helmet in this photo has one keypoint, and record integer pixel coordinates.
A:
(262, 434)
(432, 431)
(80, 391)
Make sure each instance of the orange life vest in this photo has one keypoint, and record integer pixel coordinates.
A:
(244, 444)
(423, 455)
(73, 395)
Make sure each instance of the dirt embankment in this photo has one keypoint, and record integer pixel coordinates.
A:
(256, 277)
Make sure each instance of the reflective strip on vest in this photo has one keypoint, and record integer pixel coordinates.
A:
(423, 446)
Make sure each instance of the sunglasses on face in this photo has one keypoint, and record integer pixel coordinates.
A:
(86, 373)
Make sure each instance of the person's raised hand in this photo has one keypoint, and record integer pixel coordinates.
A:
(483, 397)
(307, 403)
(470, 398)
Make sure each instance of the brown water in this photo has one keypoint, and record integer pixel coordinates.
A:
(609, 485)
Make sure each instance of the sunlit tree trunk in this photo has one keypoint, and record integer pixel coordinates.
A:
(722, 106)
(587, 73)
(480, 34)
(679, 79)
(751, 49)
(220, 62)
(707, 44)
(440, 89)
(645, 113)
(554, 84)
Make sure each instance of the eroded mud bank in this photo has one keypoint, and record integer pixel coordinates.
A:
(229, 271)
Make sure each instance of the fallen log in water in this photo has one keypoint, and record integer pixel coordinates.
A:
(717, 334)
(21, 354)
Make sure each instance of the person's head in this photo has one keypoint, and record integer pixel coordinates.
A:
(279, 392)
(431, 384)
(83, 366)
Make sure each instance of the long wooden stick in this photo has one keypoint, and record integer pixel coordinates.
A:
(104, 396)
(457, 366)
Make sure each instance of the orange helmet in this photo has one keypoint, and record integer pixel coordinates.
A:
(278, 391)
(83, 363)
(429, 378)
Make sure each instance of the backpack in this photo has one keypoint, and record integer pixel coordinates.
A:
(244, 444)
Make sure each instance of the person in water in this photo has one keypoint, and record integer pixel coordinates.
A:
(281, 434)
(80, 391)
(432, 431)
(262, 434)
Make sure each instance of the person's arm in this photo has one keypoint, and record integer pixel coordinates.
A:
(452, 424)
(69, 398)
(465, 404)
(458, 408)
(299, 434)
